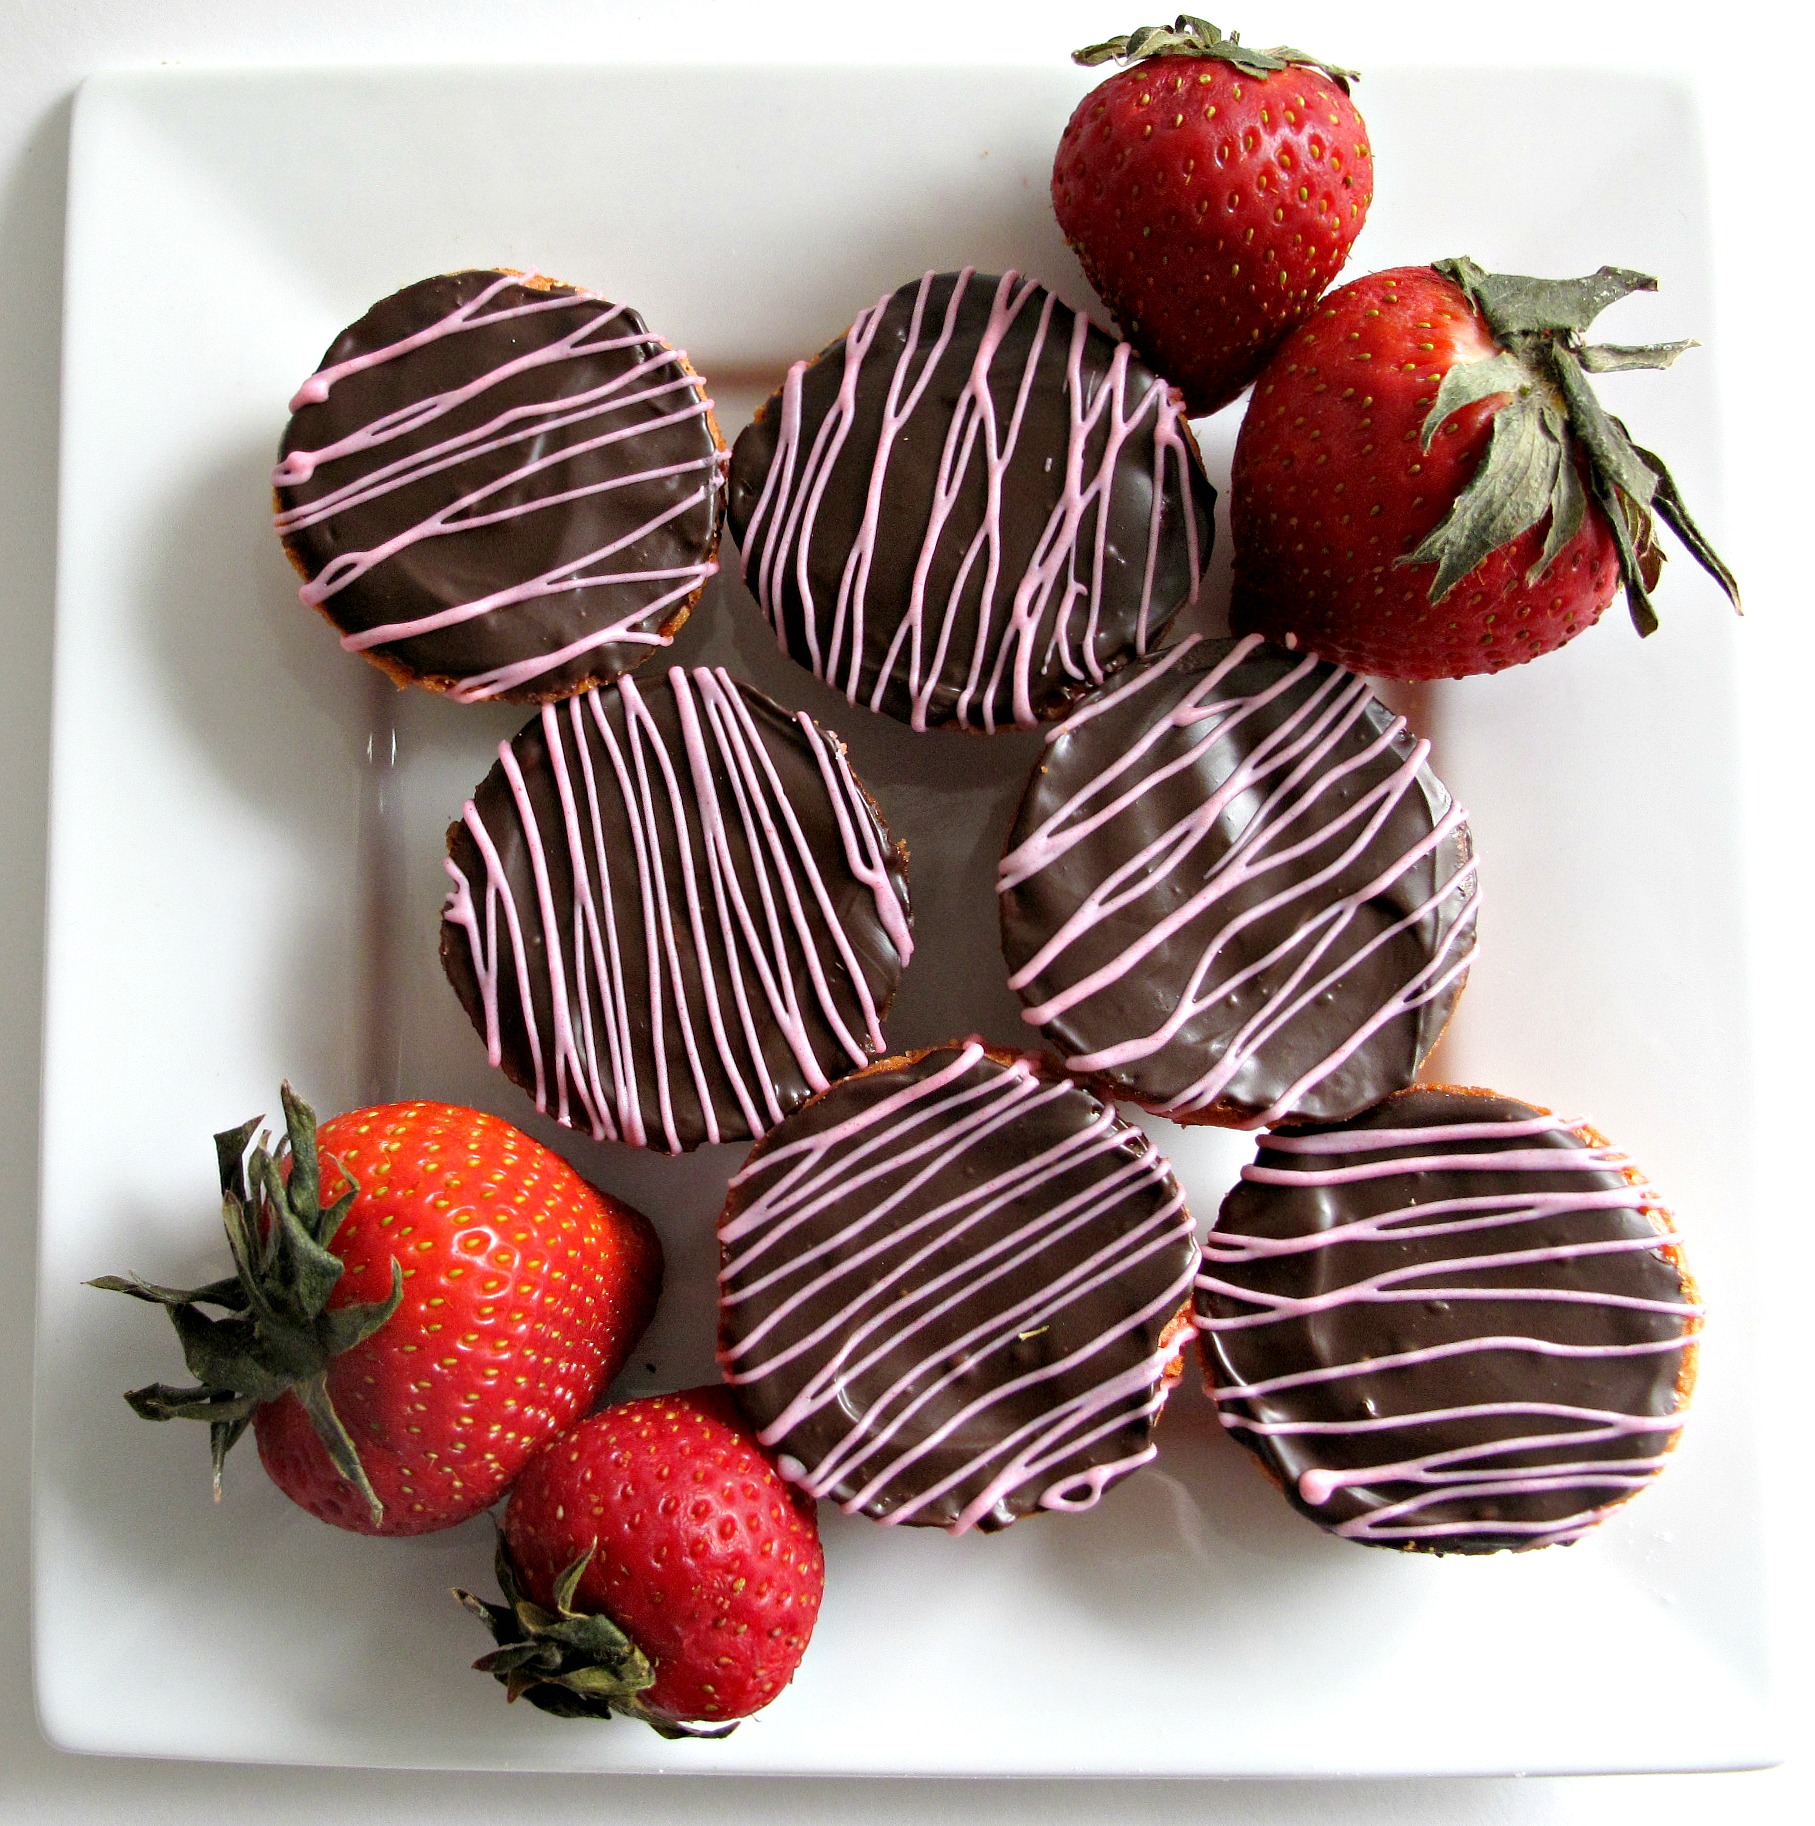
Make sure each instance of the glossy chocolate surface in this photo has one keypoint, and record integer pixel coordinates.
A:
(947, 1291)
(675, 912)
(1235, 890)
(971, 507)
(1455, 1323)
(502, 487)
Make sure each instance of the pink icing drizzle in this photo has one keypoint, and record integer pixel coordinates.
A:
(1061, 589)
(1469, 1472)
(900, 1313)
(1287, 775)
(765, 910)
(661, 377)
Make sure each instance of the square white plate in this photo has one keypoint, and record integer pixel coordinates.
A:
(246, 830)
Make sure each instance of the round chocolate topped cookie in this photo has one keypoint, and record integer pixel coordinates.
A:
(972, 507)
(1457, 1323)
(954, 1291)
(501, 487)
(1235, 891)
(676, 913)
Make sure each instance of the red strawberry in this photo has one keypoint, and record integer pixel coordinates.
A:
(424, 1298)
(654, 1563)
(1425, 485)
(1212, 192)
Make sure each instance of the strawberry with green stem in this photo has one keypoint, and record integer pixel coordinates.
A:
(654, 1564)
(1212, 191)
(1425, 484)
(423, 1296)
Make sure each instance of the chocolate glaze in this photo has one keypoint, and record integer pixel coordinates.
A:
(484, 438)
(675, 912)
(972, 507)
(1473, 1337)
(954, 1291)
(1235, 891)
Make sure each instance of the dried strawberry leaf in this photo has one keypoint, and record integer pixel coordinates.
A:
(1609, 448)
(1469, 381)
(242, 1242)
(352, 1324)
(569, 1582)
(1509, 492)
(1516, 304)
(1632, 570)
(1568, 508)
(230, 1151)
(279, 1335)
(160, 1401)
(1667, 503)
(1544, 363)
(332, 1218)
(225, 1354)
(223, 1436)
(1189, 36)
(302, 1272)
(319, 1406)
(1623, 357)
(304, 1178)
(572, 1663)
(227, 1293)
(513, 1657)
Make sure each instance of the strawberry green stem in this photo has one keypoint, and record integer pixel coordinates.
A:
(575, 1664)
(1550, 422)
(1189, 36)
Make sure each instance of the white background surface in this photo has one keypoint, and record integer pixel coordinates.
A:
(48, 49)
(247, 214)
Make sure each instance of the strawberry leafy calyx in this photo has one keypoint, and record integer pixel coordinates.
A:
(1551, 435)
(574, 1664)
(1189, 36)
(277, 1336)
